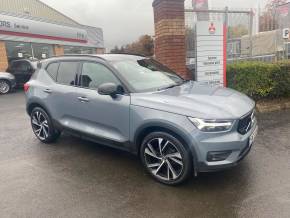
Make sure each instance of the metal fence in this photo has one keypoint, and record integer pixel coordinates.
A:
(246, 38)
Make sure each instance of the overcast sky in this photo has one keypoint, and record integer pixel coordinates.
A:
(123, 21)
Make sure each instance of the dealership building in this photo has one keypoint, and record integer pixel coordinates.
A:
(32, 29)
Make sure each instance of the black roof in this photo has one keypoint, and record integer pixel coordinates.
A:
(120, 57)
(107, 57)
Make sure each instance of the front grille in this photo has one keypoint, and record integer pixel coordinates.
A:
(245, 123)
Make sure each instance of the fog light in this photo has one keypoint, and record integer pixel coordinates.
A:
(218, 155)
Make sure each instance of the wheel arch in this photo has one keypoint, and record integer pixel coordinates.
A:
(7, 80)
(146, 129)
(34, 104)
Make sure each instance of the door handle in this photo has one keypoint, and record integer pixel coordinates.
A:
(83, 99)
(49, 91)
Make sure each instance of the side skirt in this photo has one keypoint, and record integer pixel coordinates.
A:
(124, 146)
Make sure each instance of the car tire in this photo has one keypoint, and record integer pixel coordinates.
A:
(166, 158)
(5, 87)
(42, 126)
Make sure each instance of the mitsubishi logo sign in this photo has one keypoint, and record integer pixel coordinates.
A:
(212, 28)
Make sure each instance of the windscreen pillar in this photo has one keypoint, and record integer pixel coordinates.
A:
(170, 48)
(3, 57)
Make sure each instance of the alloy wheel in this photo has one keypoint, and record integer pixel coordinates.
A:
(4, 87)
(40, 125)
(163, 159)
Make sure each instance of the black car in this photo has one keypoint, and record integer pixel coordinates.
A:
(22, 70)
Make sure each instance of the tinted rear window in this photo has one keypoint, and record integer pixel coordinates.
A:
(52, 70)
(67, 73)
(20, 66)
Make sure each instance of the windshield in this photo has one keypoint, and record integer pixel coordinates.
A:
(147, 75)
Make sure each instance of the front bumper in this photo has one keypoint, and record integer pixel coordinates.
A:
(236, 145)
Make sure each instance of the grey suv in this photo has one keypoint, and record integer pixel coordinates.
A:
(136, 104)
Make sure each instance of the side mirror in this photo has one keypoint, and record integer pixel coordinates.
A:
(110, 89)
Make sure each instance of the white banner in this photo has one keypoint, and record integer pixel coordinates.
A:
(16, 26)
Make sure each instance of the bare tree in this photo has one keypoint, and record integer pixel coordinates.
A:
(143, 46)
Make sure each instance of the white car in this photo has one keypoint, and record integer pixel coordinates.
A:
(7, 82)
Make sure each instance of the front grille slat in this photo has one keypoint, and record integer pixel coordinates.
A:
(245, 124)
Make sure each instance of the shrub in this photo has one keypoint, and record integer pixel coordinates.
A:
(260, 80)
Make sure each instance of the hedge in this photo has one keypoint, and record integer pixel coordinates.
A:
(260, 80)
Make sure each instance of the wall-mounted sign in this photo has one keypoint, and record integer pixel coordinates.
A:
(211, 52)
(15, 26)
(286, 33)
(283, 10)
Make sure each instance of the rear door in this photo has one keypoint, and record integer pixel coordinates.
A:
(62, 95)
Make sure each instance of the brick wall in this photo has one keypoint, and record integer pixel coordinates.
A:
(58, 50)
(170, 35)
(3, 57)
(100, 50)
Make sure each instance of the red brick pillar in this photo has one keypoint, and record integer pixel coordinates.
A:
(3, 57)
(170, 35)
(100, 51)
(58, 50)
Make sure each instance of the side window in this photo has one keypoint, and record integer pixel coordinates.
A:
(52, 70)
(94, 74)
(67, 73)
(22, 66)
(15, 65)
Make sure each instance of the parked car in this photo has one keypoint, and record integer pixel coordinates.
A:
(7, 82)
(134, 103)
(22, 70)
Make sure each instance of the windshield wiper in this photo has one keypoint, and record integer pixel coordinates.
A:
(172, 86)
(185, 81)
(169, 87)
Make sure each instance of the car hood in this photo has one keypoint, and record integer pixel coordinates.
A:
(197, 100)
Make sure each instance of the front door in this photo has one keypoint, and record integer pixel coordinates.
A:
(102, 116)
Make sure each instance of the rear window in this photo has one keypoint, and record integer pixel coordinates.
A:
(20, 66)
(52, 70)
(67, 72)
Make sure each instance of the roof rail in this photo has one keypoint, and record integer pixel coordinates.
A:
(128, 53)
(77, 55)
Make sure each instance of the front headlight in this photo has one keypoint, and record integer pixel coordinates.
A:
(212, 125)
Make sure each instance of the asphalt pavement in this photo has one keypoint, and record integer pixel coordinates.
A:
(77, 178)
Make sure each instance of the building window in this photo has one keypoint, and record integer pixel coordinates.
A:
(18, 50)
(79, 50)
(42, 51)
(24, 50)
